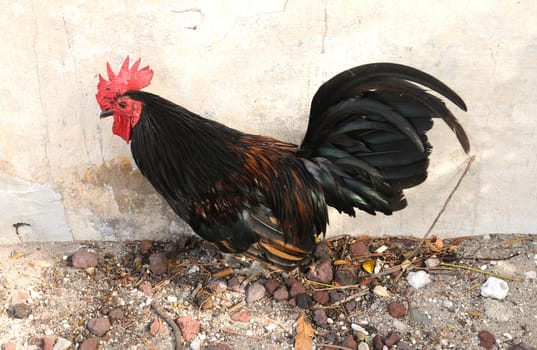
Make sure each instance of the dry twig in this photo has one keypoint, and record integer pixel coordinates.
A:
(176, 331)
(474, 269)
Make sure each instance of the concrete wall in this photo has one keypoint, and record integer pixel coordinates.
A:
(254, 65)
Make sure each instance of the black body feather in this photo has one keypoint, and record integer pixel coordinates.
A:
(366, 142)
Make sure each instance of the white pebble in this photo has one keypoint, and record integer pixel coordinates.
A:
(495, 288)
(195, 345)
(172, 298)
(448, 304)
(530, 275)
(193, 269)
(62, 344)
(418, 279)
(508, 336)
(363, 346)
(358, 328)
(329, 320)
(270, 327)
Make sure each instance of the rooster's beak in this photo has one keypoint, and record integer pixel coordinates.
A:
(106, 113)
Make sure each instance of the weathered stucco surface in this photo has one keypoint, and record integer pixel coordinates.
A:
(254, 65)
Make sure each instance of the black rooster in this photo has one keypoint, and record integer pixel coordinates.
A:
(366, 142)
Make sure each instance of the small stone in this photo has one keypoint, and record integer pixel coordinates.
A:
(146, 246)
(195, 345)
(349, 342)
(346, 275)
(272, 286)
(321, 297)
(116, 314)
(99, 326)
(378, 344)
(486, 339)
(319, 317)
(158, 263)
(156, 327)
(92, 343)
(189, 327)
(241, 316)
(47, 343)
(83, 259)
(290, 281)
(281, 293)
(234, 284)
(9, 346)
(270, 327)
(217, 286)
(392, 338)
(350, 306)
(363, 346)
(495, 288)
(322, 251)
(62, 344)
(302, 300)
(432, 262)
(418, 279)
(20, 298)
(336, 296)
(358, 249)
(185, 243)
(322, 272)
(255, 292)
(404, 346)
(21, 310)
(146, 288)
(296, 288)
(396, 309)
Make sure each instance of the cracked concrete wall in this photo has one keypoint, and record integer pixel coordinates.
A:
(254, 65)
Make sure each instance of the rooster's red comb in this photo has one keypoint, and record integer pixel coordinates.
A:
(126, 79)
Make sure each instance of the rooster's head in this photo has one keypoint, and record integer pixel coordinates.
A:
(125, 110)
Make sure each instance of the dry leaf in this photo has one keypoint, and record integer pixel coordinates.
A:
(405, 265)
(368, 266)
(341, 262)
(17, 256)
(223, 273)
(382, 291)
(304, 335)
(474, 314)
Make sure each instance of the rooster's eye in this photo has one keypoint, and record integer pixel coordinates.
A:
(122, 105)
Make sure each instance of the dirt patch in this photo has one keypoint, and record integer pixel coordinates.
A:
(44, 297)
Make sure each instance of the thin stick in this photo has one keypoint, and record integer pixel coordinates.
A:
(446, 202)
(474, 269)
(176, 331)
(343, 301)
(331, 346)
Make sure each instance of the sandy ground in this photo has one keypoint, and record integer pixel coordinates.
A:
(45, 299)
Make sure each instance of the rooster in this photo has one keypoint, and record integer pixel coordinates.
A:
(268, 199)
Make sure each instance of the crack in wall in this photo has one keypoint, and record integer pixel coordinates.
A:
(40, 90)
(246, 18)
(192, 10)
(325, 21)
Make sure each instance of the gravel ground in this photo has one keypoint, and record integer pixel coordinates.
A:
(131, 295)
